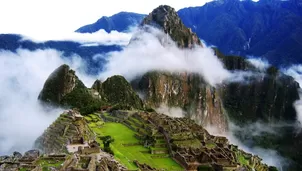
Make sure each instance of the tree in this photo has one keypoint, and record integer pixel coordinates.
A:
(106, 141)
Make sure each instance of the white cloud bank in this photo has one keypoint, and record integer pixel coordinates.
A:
(175, 112)
(22, 77)
(296, 72)
(259, 63)
(155, 51)
(100, 37)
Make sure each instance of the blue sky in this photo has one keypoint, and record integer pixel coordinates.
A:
(40, 17)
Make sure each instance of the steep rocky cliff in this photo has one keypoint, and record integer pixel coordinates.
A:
(167, 19)
(188, 91)
(63, 88)
(61, 82)
(268, 98)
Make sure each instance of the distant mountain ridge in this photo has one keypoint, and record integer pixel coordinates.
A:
(119, 22)
(267, 28)
(12, 42)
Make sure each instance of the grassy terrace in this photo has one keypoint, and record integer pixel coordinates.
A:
(127, 154)
(48, 164)
(242, 160)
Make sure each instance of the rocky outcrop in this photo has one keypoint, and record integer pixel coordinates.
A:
(61, 82)
(18, 162)
(116, 90)
(97, 85)
(167, 19)
(63, 88)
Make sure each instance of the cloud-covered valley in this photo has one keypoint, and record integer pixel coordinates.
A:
(22, 118)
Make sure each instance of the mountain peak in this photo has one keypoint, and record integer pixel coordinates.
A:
(166, 18)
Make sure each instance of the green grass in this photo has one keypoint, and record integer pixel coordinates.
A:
(126, 155)
(210, 145)
(46, 164)
(88, 118)
(241, 159)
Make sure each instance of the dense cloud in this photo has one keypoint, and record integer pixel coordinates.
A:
(22, 118)
(154, 50)
(175, 112)
(100, 37)
(259, 63)
(296, 72)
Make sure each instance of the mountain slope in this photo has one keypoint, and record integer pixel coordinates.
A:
(119, 22)
(263, 28)
(168, 20)
(271, 29)
(267, 98)
(63, 88)
(186, 90)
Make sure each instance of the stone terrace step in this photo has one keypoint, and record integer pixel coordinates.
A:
(160, 156)
(159, 151)
(160, 145)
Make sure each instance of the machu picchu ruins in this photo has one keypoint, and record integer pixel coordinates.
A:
(76, 143)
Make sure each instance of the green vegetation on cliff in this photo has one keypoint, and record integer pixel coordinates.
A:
(63, 88)
(117, 90)
(58, 84)
(82, 99)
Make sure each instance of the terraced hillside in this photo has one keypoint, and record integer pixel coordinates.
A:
(128, 145)
(122, 140)
(162, 142)
(61, 132)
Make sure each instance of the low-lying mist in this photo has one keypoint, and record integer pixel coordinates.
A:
(154, 50)
(296, 72)
(257, 130)
(175, 112)
(22, 118)
(100, 37)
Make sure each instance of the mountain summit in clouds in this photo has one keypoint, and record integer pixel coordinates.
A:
(269, 29)
(166, 18)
